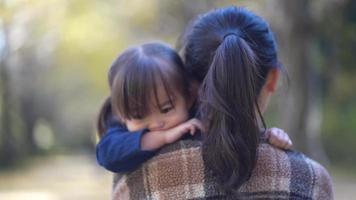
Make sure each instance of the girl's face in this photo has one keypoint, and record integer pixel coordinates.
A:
(164, 116)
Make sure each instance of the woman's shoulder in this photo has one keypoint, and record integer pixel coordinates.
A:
(178, 172)
(289, 173)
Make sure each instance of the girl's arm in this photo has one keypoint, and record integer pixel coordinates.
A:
(156, 139)
(120, 150)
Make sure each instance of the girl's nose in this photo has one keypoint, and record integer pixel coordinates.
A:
(160, 124)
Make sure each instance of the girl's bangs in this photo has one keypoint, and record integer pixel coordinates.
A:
(135, 92)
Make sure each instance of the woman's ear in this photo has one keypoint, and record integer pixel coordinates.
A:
(272, 80)
(268, 89)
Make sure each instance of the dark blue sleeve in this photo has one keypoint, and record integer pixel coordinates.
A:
(119, 150)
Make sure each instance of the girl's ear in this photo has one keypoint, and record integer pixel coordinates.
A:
(193, 93)
(272, 80)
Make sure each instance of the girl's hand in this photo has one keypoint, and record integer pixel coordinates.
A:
(177, 132)
(278, 138)
(156, 139)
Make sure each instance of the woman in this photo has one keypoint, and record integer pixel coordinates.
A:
(231, 54)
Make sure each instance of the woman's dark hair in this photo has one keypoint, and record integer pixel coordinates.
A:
(134, 78)
(230, 52)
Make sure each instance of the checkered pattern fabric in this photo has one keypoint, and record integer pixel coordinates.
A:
(178, 172)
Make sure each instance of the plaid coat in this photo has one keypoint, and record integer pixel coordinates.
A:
(178, 172)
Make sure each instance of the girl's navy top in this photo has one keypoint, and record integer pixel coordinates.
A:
(119, 150)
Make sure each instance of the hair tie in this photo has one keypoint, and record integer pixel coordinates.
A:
(229, 34)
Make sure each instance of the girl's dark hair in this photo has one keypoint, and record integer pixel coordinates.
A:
(230, 51)
(134, 79)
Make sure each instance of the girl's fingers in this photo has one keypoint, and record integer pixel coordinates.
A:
(184, 130)
(273, 133)
(187, 129)
(283, 138)
(192, 130)
(276, 137)
(279, 138)
(198, 124)
(268, 133)
(288, 142)
(272, 139)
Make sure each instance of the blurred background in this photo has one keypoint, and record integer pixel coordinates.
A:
(54, 57)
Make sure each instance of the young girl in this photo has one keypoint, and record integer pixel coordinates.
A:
(150, 105)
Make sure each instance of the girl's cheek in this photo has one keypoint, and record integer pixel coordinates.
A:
(135, 125)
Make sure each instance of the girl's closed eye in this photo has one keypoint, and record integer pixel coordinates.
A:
(167, 108)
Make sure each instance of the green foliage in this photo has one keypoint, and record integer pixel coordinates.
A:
(338, 43)
(68, 47)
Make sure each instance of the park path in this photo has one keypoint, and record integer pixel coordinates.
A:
(63, 177)
(55, 178)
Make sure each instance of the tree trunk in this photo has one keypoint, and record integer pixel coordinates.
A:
(300, 109)
(7, 142)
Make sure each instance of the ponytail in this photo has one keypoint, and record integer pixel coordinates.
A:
(229, 102)
(104, 116)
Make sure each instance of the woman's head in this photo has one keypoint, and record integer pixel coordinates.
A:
(230, 52)
(208, 31)
(149, 88)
